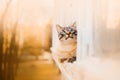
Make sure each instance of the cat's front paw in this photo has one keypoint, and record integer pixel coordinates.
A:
(71, 60)
(62, 60)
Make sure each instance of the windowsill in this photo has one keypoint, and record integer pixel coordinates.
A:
(67, 69)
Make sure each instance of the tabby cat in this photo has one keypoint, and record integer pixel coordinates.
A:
(65, 48)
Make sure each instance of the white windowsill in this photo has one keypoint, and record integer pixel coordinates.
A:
(66, 69)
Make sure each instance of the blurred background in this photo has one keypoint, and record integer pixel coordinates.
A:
(26, 34)
(25, 40)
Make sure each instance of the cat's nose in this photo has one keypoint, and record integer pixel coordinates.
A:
(68, 32)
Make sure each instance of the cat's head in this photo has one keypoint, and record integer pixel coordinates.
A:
(67, 34)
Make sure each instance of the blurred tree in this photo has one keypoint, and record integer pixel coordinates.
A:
(13, 48)
(2, 39)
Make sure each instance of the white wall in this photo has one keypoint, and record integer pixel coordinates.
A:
(65, 13)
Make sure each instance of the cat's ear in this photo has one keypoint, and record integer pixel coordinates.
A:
(74, 24)
(58, 27)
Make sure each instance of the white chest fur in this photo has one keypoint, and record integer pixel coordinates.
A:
(64, 50)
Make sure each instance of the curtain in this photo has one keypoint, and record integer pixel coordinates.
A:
(107, 26)
(97, 24)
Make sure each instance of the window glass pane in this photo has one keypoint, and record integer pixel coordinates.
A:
(107, 26)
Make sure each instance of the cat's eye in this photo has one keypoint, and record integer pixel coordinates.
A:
(72, 30)
(60, 36)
